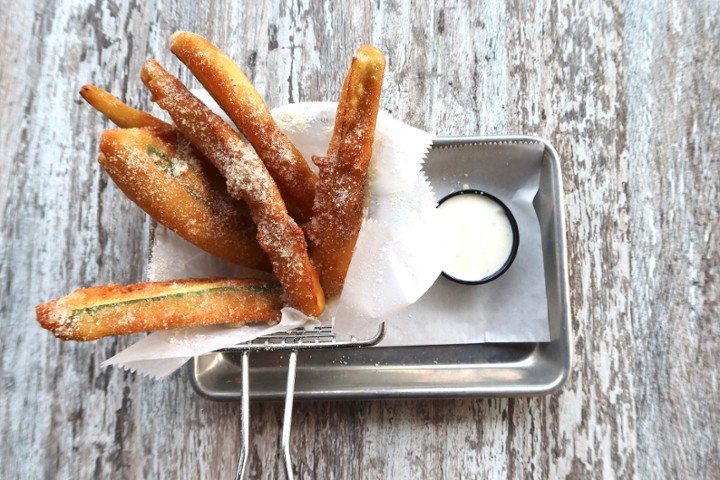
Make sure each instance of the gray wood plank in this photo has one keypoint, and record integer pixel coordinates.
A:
(674, 157)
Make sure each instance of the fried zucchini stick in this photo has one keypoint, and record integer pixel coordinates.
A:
(122, 115)
(96, 312)
(159, 171)
(338, 208)
(194, 202)
(235, 94)
(247, 179)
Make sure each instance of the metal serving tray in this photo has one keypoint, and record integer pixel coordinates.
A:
(486, 369)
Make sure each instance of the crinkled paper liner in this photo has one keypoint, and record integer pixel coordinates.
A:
(395, 261)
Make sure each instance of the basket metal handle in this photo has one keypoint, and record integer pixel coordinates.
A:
(242, 469)
(287, 415)
(244, 418)
(293, 341)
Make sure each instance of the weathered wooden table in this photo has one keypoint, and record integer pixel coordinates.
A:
(627, 92)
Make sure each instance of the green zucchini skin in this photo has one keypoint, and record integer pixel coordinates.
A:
(248, 288)
(96, 312)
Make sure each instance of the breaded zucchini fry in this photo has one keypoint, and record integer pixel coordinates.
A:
(247, 179)
(158, 170)
(122, 115)
(96, 312)
(338, 209)
(235, 94)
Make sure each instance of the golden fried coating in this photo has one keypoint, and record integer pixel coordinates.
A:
(159, 170)
(338, 208)
(96, 312)
(122, 115)
(236, 95)
(247, 179)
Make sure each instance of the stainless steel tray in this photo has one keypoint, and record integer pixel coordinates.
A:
(487, 369)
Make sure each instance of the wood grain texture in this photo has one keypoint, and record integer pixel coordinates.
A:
(627, 92)
(674, 152)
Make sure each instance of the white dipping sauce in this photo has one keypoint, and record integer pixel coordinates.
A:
(480, 236)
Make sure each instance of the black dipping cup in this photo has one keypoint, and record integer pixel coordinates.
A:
(515, 241)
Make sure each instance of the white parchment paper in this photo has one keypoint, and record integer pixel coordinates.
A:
(512, 308)
(400, 207)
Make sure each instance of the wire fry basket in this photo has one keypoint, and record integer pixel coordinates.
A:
(292, 341)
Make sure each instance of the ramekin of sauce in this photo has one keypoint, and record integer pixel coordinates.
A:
(483, 236)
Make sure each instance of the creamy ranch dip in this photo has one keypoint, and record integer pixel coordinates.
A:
(480, 236)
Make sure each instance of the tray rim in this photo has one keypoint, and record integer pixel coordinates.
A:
(563, 340)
